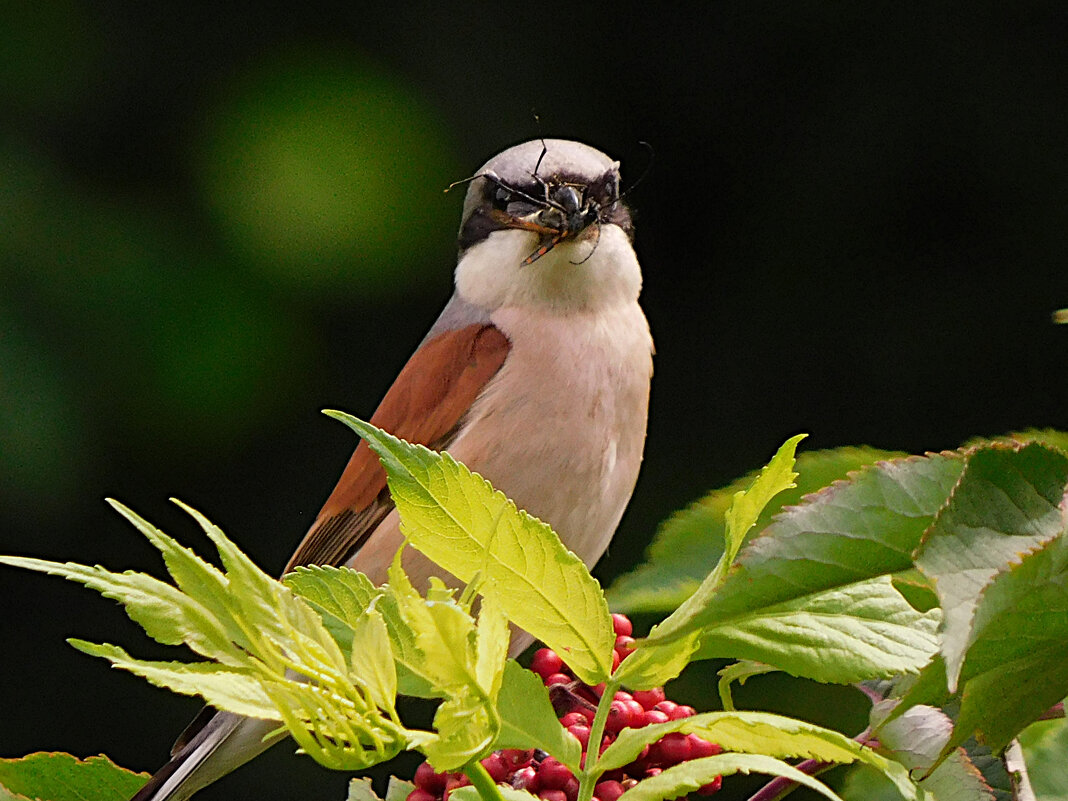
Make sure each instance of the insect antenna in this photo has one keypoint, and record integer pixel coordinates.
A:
(645, 172)
(596, 242)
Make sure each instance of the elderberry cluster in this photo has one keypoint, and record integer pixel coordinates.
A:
(575, 704)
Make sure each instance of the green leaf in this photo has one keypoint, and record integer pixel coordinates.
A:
(444, 634)
(849, 532)
(232, 689)
(338, 731)
(372, 659)
(277, 620)
(688, 544)
(469, 793)
(528, 719)
(1007, 504)
(195, 577)
(459, 521)
(864, 783)
(1004, 774)
(867, 626)
(339, 594)
(653, 665)
(760, 733)
(1045, 745)
(466, 730)
(165, 613)
(286, 667)
(689, 776)
(917, 589)
(398, 789)
(447, 644)
(1047, 436)
(848, 634)
(747, 505)
(739, 672)
(361, 790)
(671, 643)
(916, 739)
(746, 732)
(1017, 667)
(492, 653)
(62, 777)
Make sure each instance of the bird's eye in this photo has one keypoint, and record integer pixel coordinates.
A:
(501, 198)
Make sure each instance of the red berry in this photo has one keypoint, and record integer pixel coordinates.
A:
(616, 659)
(496, 766)
(454, 780)
(419, 794)
(581, 732)
(673, 748)
(622, 625)
(652, 772)
(588, 712)
(552, 795)
(557, 678)
(649, 698)
(680, 712)
(712, 787)
(598, 689)
(700, 748)
(667, 707)
(655, 716)
(637, 714)
(426, 778)
(573, 718)
(571, 788)
(552, 775)
(624, 645)
(525, 779)
(546, 662)
(517, 757)
(608, 791)
(618, 717)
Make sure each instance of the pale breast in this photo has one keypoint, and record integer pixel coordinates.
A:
(561, 428)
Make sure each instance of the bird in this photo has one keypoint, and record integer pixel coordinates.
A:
(536, 375)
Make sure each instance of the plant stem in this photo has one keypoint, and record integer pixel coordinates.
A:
(590, 774)
(482, 781)
(780, 787)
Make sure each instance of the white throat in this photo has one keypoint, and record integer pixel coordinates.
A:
(586, 274)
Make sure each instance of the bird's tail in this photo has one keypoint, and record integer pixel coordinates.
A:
(213, 745)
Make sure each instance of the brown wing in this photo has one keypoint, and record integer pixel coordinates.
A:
(425, 405)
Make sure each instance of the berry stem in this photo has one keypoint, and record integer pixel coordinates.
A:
(482, 781)
(590, 774)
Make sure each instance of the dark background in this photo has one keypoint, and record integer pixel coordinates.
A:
(214, 224)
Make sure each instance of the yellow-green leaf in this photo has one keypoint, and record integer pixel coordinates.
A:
(459, 521)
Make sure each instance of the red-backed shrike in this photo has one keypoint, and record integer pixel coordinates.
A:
(536, 375)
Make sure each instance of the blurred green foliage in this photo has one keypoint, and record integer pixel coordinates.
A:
(321, 170)
(319, 174)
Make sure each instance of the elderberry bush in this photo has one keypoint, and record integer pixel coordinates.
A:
(575, 704)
